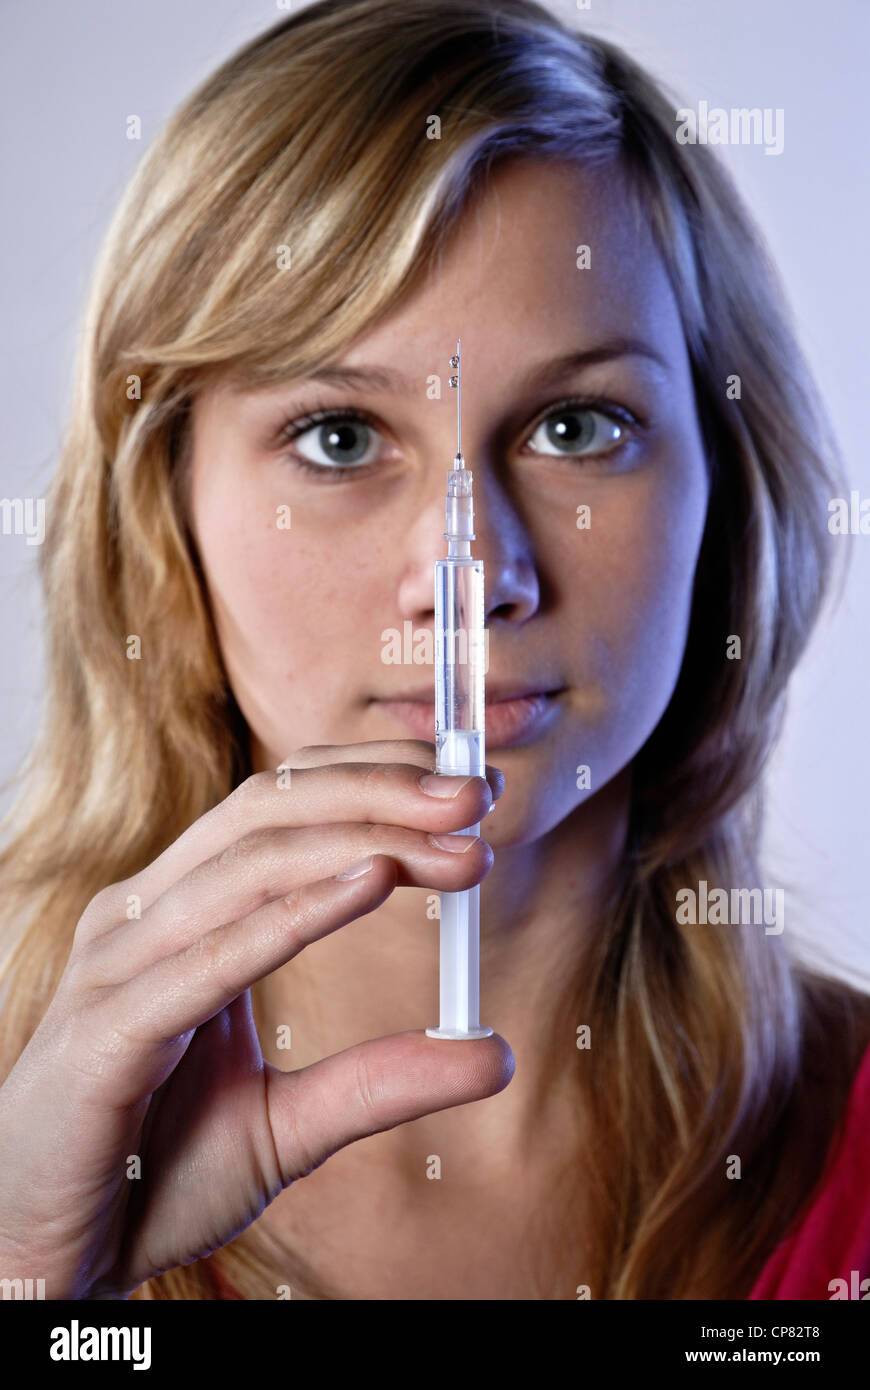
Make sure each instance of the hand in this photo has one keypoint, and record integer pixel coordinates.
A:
(148, 1047)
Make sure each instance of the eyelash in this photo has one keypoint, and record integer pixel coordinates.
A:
(321, 415)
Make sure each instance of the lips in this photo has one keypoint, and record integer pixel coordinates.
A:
(508, 721)
(496, 691)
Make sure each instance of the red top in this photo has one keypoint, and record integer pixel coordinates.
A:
(225, 1288)
(831, 1240)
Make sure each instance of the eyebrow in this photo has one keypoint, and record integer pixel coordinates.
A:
(387, 379)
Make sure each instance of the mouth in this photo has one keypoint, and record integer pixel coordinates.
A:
(519, 718)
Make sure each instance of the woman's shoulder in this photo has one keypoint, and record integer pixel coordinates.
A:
(826, 1252)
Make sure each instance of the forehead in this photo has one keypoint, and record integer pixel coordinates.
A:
(514, 271)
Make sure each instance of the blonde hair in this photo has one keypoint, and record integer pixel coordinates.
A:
(314, 137)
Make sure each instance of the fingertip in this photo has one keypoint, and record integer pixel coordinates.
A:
(491, 1059)
(496, 779)
(507, 1059)
(496, 1063)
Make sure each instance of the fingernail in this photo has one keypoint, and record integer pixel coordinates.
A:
(435, 784)
(450, 842)
(357, 870)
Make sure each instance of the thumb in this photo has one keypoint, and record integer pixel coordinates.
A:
(375, 1086)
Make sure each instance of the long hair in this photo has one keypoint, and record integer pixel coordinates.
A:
(317, 137)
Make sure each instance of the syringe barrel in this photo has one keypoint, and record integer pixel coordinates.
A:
(460, 669)
(460, 666)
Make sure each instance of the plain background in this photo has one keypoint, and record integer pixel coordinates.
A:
(71, 74)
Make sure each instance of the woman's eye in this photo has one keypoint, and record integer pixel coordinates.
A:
(577, 429)
(334, 444)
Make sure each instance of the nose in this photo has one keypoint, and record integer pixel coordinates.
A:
(512, 590)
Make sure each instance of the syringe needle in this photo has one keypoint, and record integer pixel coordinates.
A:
(459, 399)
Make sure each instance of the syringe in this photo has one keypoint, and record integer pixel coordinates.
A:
(460, 666)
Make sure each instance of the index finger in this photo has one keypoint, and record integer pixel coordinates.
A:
(232, 817)
(417, 751)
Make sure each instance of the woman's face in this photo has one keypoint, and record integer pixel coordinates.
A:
(598, 610)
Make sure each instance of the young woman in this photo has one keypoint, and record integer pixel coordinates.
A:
(249, 500)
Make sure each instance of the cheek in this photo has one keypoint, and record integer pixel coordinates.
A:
(286, 606)
(249, 573)
(268, 597)
(633, 587)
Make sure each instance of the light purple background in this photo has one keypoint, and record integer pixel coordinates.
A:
(70, 74)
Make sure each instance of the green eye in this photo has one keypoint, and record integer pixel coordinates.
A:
(340, 441)
(575, 428)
